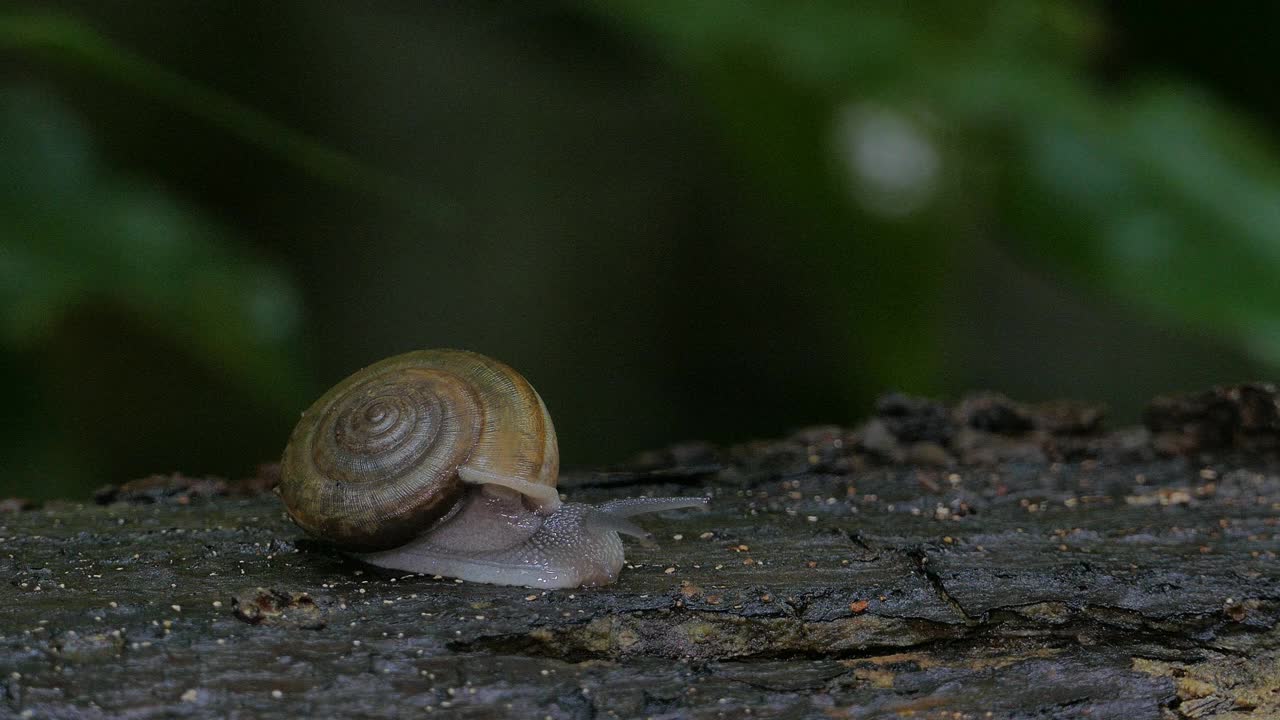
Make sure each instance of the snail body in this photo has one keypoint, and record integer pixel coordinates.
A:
(444, 462)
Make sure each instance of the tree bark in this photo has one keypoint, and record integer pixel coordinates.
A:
(991, 560)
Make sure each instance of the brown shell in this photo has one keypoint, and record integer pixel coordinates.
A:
(374, 462)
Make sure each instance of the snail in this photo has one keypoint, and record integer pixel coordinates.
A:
(444, 462)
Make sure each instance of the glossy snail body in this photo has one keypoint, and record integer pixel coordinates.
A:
(444, 462)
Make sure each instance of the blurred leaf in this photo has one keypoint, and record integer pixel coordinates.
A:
(1166, 201)
(1162, 198)
(66, 39)
(73, 234)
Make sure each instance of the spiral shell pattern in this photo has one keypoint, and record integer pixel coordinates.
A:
(374, 462)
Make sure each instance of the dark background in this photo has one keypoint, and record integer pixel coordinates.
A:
(710, 220)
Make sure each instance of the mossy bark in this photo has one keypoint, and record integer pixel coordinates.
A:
(934, 563)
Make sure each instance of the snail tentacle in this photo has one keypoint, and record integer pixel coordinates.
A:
(613, 516)
(627, 507)
(608, 522)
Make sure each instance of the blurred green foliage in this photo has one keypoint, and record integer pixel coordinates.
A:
(76, 236)
(706, 220)
(1154, 193)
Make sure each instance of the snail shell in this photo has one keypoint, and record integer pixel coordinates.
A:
(445, 462)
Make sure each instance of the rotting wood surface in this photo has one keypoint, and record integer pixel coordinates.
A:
(991, 560)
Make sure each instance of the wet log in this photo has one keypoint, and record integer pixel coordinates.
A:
(987, 560)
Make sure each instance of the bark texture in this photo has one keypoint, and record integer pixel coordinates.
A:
(987, 560)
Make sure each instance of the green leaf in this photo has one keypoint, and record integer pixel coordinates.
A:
(74, 234)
